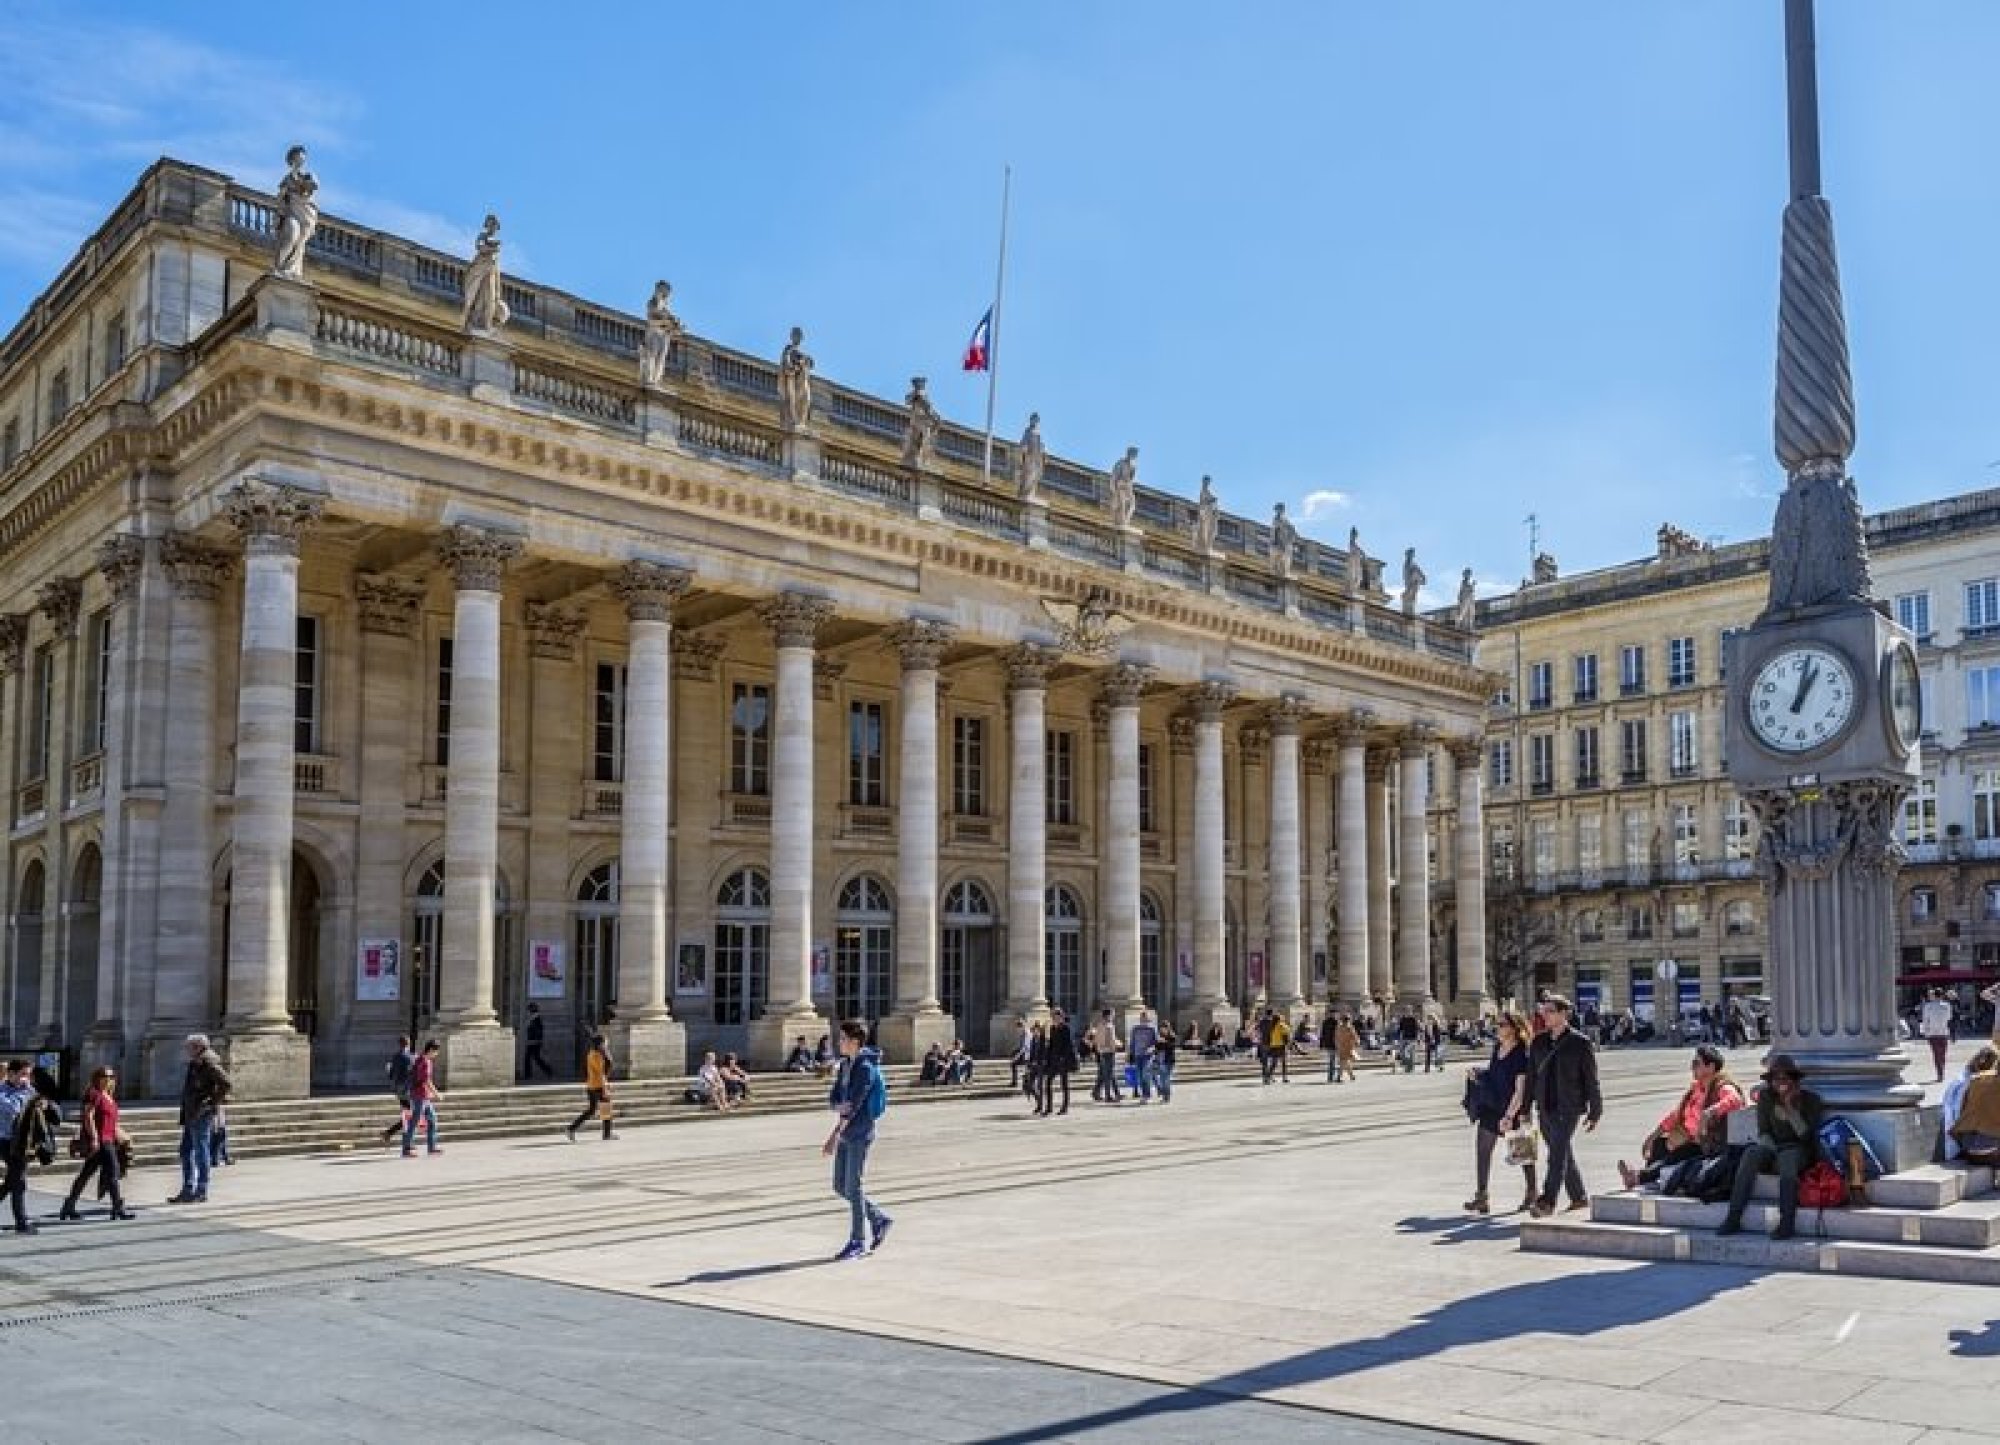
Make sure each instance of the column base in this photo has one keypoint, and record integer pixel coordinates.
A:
(1206, 1016)
(771, 1037)
(274, 1065)
(103, 1048)
(904, 1038)
(474, 1056)
(1003, 1029)
(648, 1049)
(1854, 1081)
(162, 1063)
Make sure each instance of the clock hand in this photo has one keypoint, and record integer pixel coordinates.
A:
(1806, 681)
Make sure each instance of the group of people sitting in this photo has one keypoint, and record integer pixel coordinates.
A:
(720, 1084)
(946, 1066)
(804, 1060)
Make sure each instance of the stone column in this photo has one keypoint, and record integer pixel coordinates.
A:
(478, 1048)
(267, 1057)
(1285, 994)
(1351, 987)
(1468, 757)
(644, 1034)
(1180, 945)
(183, 952)
(1123, 686)
(1211, 1000)
(123, 561)
(1381, 954)
(1314, 755)
(795, 620)
(1413, 880)
(916, 1021)
(1027, 839)
(13, 658)
(60, 600)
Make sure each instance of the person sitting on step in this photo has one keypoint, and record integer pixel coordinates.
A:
(1695, 1128)
(1788, 1119)
(1982, 1062)
(1976, 1129)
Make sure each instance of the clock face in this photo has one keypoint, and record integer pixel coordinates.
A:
(1903, 688)
(1801, 699)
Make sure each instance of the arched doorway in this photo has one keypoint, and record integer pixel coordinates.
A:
(27, 994)
(742, 946)
(1154, 980)
(966, 986)
(596, 945)
(79, 982)
(864, 950)
(427, 953)
(302, 970)
(1235, 968)
(1063, 946)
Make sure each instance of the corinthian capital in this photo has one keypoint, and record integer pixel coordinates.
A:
(1028, 666)
(387, 604)
(649, 589)
(1466, 751)
(271, 518)
(1210, 699)
(477, 556)
(553, 631)
(198, 569)
(121, 559)
(60, 600)
(921, 643)
(13, 642)
(1285, 716)
(1124, 684)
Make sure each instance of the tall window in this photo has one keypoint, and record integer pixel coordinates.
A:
(1500, 759)
(1153, 980)
(1687, 918)
(1590, 843)
(1913, 611)
(1986, 803)
(41, 699)
(1542, 848)
(1585, 678)
(1638, 840)
(596, 957)
(968, 767)
(1982, 696)
(442, 741)
(1541, 684)
(59, 397)
(1982, 605)
(1587, 772)
(306, 686)
(1632, 749)
(1682, 737)
(1542, 762)
(10, 443)
(98, 696)
(1739, 840)
(1060, 762)
(1063, 947)
(1680, 662)
(1631, 669)
(1920, 813)
(1638, 921)
(1148, 822)
(1500, 851)
(1739, 917)
(863, 949)
(742, 946)
(750, 739)
(114, 343)
(867, 741)
(607, 724)
(1687, 836)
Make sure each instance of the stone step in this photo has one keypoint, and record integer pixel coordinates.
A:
(1973, 1224)
(1575, 1235)
(1929, 1186)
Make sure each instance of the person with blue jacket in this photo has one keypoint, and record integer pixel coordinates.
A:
(858, 1098)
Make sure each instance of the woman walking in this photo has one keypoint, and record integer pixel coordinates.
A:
(1163, 1062)
(98, 1137)
(1499, 1100)
(1343, 1044)
(596, 1089)
(1059, 1061)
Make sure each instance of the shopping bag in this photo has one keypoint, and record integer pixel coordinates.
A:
(1523, 1146)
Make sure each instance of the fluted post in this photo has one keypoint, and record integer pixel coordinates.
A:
(1315, 754)
(917, 1021)
(1211, 999)
(1381, 950)
(1027, 838)
(1123, 686)
(1413, 880)
(1284, 718)
(1352, 817)
(1468, 755)
(267, 1058)
(644, 1034)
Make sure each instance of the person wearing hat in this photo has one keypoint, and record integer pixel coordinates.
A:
(1788, 1120)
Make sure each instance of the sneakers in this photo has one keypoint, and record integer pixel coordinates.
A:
(570, 1134)
(854, 1249)
(879, 1231)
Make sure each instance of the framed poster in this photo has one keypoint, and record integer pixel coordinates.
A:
(378, 970)
(548, 972)
(1256, 971)
(1319, 965)
(822, 971)
(1184, 973)
(691, 970)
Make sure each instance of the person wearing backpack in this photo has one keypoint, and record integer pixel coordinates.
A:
(859, 1098)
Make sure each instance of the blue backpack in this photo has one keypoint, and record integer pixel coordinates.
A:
(878, 1092)
(1834, 1137)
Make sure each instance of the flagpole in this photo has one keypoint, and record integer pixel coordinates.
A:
(993, 332)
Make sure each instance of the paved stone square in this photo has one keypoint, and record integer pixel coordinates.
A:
(1122, 1272)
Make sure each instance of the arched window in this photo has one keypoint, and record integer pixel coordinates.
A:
(864, 950)
(597, 942)
(742, 946)
(427, 949)
(965, 957)
(1153, 978)
(1739, 916)
(79, 988)
(1063, 949)
(30, 902)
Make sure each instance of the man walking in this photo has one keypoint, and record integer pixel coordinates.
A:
(1562, 1072)
(1935, 1025)
(404, 1059)
(1139, 1053)
(1105, 1042)
(597, 1089)
(536, 1035)
(424, 1096)
(204, 1090)
(23, 1128)
(859, 1098)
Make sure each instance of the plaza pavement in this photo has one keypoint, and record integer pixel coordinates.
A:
(1298, 1245)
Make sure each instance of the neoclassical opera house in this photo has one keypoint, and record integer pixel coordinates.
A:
(389, 644)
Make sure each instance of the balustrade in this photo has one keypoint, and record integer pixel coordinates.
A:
(874, 483)
(581, 398)
(732, 441)
(315, 773)
(386, 341)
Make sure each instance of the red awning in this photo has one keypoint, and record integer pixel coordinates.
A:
(1958, 975)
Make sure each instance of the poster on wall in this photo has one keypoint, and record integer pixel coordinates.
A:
(1184, 973)
(547, 975)
(1256, 971)
(378, 970)
(822, 971)
(691, 970)
(1319, 965)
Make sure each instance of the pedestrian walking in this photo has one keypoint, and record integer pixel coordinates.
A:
(1409, 1033)
(1281, 1046)
(424, 1099)
(1563, 1088)
(1058, 1063)
(98, 1138)
(1163, 1061)
(1019, 1061)
(535, 1035)
(1104, 1042)
(1433, 1040)
(1342, 1050)
(1498, 1098)
(596, 1088)
(1145, 1038)
(398, 1069)
(859, 1098)
(27, 1131)
(1935, 1025)
(204, 1090)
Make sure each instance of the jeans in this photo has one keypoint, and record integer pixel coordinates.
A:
(16, 1188)
(1270, 1062)
(1559, 1134)
(197, 1139)
(1163, 1078)
(104, 1160)
(849, 1158)
(1106, 1089)
(1939, 1044)
(1143, 1076)
(1787, 1160)
(422, 1111)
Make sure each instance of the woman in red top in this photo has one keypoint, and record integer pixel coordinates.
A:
(98, 1134)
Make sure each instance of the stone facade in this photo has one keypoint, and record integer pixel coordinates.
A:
(1596, 874)
(423, 675)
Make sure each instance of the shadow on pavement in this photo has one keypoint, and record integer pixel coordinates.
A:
(753, 1271)
(1973, 1344)
(1459, 1228)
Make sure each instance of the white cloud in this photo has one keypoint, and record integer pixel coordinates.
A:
(1322, 504)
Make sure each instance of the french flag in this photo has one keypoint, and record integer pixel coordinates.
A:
(976, 350)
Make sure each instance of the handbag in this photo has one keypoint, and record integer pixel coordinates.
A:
(1523, 1146)
(1821, 1187)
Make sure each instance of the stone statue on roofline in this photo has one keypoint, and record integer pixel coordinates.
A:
(1207, 518)
(1031, 458)
(663, 329)
(298, 216)
(1284, 543)
(485, 308)
(1468, 603)
(1357, 563)
(1124, 489)
(1413, 581)
(795, 384)
(920, 435)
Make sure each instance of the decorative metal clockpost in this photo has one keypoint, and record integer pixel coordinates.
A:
(1823, 698)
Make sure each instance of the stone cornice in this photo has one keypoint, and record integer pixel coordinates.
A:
(649, 589)
(477, 556)
(388, 605)
(795, 618)
(199, 569)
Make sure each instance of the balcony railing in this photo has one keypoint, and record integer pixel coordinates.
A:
(32, 799)
(86, 777)
(315, 774)
(1632, 689)
(1629, 776)
(601, 799)
(746, 810)
(965, 828)
(867, 820)
(1587, 781)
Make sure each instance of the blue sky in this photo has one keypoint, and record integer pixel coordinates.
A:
(1419, 267)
